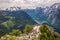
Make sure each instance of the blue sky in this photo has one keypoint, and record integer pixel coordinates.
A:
(27, 3)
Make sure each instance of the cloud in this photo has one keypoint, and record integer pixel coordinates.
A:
(4, 1)
(26, 3)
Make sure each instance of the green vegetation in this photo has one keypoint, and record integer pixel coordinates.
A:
(47, 34)
(8, 24)
(16, 33)
(28, 28)
(9, 37)
(9, 17)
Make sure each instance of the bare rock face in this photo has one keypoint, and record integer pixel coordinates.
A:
(53, 15)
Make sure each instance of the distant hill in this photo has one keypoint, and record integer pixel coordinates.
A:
(10, 20)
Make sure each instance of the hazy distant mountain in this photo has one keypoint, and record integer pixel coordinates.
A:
(37, 14)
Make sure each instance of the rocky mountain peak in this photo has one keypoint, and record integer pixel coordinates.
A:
(56, 5)
(13, 8)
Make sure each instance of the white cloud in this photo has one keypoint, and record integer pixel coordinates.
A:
(26, 3)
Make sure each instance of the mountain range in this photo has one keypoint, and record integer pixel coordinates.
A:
(50, 15)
